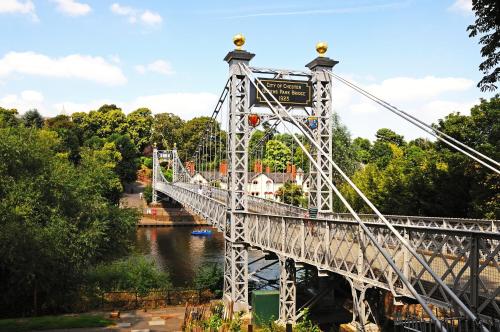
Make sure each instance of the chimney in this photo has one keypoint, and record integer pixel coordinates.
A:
(294, 172)
(223, 168)
(288, 168)
(190, 167)
(268, 170)
(257, 167)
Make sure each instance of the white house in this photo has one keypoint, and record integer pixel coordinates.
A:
(263, 185)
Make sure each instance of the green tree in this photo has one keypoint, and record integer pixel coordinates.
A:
(343, 152)
(194, 132)
(54, 215)
(487, 25)
(139, 124)
(127, 167)
(291, 193)
(388, 136)
(8, 118)
(32, 118)
(69, 134)
(167, 130)
(107, 120)
(382, 153)
(362, 149)
(474, 186)
(277, 155)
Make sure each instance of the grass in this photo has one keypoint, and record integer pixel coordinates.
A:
(52, 322)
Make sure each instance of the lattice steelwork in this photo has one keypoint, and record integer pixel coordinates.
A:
(287, 290)
(334, 246)
(464, 253)
(321, 195)
(238, 137)
(156, 170)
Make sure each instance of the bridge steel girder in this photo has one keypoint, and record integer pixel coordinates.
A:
(463, 249)
(156, 170)
(321, 195)
(287, 290)
(238, 138)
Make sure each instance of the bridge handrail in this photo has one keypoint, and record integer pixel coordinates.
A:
(444, 222)
(436, 243)
(432, 229)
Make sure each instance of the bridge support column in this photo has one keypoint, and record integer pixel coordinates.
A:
(156, 170)
(238, 137)
(321, 195)
(235, 277)
(363, 315)
(287, 291)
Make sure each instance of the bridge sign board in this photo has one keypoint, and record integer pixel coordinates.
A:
(287, 92)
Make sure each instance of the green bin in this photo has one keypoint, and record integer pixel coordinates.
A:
(265, 306)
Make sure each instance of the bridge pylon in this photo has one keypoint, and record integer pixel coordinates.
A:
(321, 195)
(156, 170)
(236, 252)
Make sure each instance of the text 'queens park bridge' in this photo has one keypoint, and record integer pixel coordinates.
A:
(439, 262)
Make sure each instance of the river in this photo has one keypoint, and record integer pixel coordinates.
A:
(178, 252)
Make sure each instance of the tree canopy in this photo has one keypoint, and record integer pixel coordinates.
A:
(487, 25)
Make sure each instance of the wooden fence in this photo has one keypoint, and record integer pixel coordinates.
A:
(128, 300)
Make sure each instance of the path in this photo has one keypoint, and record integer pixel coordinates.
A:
(155, 320)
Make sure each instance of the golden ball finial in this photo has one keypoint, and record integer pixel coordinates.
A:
(321, 48)
(239, 41)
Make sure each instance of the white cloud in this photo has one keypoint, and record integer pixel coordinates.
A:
(72, 7)
(77, 66)
(151, 18)
(428, 98)
(364, 107)
(159, 66)
(16, 6)
(134, 15)
(463, 6)
(68, 107)
(438, 109)
(24, 101)
(186, 105)
(405, 89)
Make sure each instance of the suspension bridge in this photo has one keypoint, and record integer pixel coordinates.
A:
(437, 262)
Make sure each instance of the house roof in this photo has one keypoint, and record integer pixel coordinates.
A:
(276, 177)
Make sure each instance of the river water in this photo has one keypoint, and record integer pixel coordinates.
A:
(178, 252)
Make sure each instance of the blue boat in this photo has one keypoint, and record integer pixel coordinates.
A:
(202, 232)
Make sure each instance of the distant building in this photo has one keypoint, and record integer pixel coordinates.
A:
(260, 184)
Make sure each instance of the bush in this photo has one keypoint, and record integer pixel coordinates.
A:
(148, 193)
(148, 162)
(210, 276)
(137, 273)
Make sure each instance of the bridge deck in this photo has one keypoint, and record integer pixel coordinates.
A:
(337, 245)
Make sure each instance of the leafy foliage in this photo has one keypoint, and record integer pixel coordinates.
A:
(487, 24)
(277, 155)
(56, 219)
(426, 178)
(134, 273)
(210, 276)
(32, 118)
(291, 193)
(139, 123)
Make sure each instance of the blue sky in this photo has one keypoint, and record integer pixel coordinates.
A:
(167, 55)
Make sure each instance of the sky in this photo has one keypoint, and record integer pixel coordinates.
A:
(64, 56)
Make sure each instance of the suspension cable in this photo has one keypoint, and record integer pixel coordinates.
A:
(370, 235)
(422, 125)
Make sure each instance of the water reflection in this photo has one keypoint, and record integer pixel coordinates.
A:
(178, 252)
